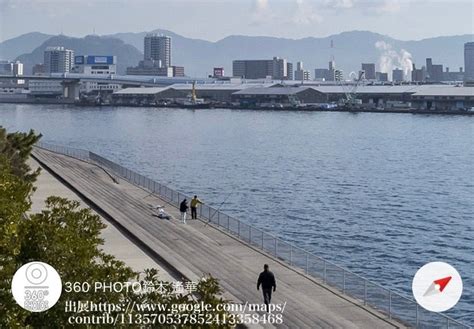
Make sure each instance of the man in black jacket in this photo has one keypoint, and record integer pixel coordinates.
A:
(267, 280)
(183, 207)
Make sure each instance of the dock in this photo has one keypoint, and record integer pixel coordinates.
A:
(198, 248)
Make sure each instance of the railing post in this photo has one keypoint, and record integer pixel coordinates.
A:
(218, 218)
(276, 243)
(262, 240)
(228, 223)
(250, 234)
(238, 228)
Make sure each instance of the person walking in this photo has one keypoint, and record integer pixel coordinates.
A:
(183, 208)
(194, 203)
(267, 280)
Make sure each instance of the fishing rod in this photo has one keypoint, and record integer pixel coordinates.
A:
(223, 202)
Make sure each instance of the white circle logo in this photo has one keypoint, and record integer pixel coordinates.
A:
(437, 286)
(36, 286)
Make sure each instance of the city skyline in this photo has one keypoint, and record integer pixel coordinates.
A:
(294, 19)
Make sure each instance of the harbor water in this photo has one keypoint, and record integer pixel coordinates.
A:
(378, 193)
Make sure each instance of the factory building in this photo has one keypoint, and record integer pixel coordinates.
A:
(212, 92)
(285, 96)
(444, 98)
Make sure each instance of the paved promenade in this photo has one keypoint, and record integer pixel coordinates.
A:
(115, 242)
(196, 249)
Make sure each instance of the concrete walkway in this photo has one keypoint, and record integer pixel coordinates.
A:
(196, 249)
(115, 242)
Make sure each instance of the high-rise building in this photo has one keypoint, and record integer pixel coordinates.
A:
(279, 68)
(299, 66)
(275, 68)
(300, 73)
(397, 75)
(469, 61)
(58, 60)
(158, 48)
(11, 68)
(418, 75)
(17, 68)
(289, 71)
(369, 69)
(434, 73)
(6, 68)
(332, 72)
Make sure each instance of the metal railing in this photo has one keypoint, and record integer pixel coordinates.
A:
(393, 305)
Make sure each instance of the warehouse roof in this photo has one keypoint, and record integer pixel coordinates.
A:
(400, 89)
(272, 91)
(140, 91)
(219, 86)
(447, 91)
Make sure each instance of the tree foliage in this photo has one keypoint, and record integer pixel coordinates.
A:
(67, 237)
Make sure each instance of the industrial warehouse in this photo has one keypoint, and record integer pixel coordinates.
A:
(278, 95)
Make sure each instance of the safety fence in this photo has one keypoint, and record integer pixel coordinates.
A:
(392, 304)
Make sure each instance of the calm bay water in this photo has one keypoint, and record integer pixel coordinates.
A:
(380, 194)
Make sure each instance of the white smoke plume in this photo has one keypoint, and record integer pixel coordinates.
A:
(391, 59)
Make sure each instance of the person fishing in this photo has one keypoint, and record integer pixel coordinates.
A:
(183, 208)
(194, 203)
(267, 280)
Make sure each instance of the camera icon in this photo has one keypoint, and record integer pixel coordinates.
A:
(36, 274)
(36, 286)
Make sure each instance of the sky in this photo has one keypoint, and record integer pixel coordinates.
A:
(215, 19)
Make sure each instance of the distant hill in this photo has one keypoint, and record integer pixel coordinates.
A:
(350, 50)
(26, 43)
(200, 56)
(127, 55)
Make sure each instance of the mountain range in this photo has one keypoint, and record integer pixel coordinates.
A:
(198, 57)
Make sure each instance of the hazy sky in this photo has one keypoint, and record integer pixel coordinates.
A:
(216, 19)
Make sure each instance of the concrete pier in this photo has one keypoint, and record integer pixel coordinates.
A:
(197, 249)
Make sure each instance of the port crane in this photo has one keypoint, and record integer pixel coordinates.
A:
(350, 91)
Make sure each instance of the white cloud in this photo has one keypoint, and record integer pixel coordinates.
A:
(261, 12)
(305, 14)
(340, 3)
(389, 6)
